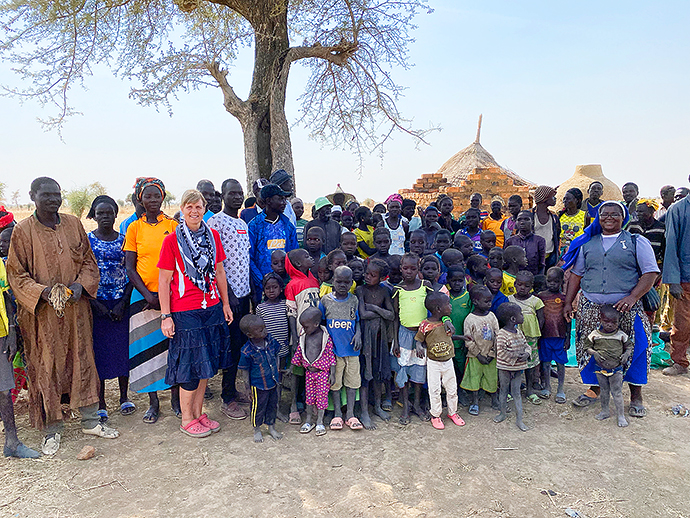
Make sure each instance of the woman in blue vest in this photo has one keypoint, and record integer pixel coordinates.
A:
(610, 267)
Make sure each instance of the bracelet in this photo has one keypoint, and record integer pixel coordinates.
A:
(166, 315)
(446, 319)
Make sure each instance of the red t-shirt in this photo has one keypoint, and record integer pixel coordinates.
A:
(184, 295)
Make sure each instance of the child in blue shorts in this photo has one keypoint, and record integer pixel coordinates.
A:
(554, 341)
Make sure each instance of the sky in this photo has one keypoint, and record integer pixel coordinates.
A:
(558, 83)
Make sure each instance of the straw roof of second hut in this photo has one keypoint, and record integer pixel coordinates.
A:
(458, 167)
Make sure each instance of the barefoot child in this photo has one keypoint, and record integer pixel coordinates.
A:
(315, 355)
(273, 311)
(611, 349)
(301, 293)
(432, 335)
(533, 310)
(340, 310)
(480, 330)
(376, 317)
(461, 306)
(259, 368)
(554, 341)
(409, 362)
(512, 353)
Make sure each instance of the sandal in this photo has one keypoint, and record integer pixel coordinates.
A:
(336, 423)
(637, 410)
(151, 416)
(586, 399)
(354, 424)
(320, 430)
(295, 418)
(195, 429)
(306, 428)
(103, 414)
(544, 394)
(101, 430)
(474, 410)
(212, 425)
(386, 405)
(404, 420)
(127, 408)
(51, 444)
(534, 399)
(560, 398)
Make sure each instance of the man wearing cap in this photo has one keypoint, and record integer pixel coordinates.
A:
(677, 275)
(271, 230)
(546, 223)
(322, 206)
(283, 180)
(250, 213)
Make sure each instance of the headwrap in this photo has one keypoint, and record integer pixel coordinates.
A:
(394, 197)
(347, 213)
(6, 217)
(336, 208)
(198, 251)
(543, 193)
(592, 230)
(143, 183)
(498, 198)
(652, 204)
(103, 198)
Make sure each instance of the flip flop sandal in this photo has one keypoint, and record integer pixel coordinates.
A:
(386, 405)
(534, 399)
(336, 423)
(306, 428)
(560, 398)
(354, 424)
(127, 408)
(320, 430)
(404, 420)
(509, 398)
(637, 411)
(177, 412)
(474, 410)
(151, 416)
(544, 394)
(295, 418)
(103, 414)
(585, 399)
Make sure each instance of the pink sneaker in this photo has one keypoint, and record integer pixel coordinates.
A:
(195, 429)
(457, 419)
(437, 423)
(212, 425)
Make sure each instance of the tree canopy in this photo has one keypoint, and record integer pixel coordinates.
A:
(351, 47)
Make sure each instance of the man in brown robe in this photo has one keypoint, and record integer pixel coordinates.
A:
(46, 249)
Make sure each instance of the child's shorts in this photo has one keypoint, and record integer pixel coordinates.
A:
(347, 373)
(533, 342)
(413, 373)
(551, 349)
(479, 376)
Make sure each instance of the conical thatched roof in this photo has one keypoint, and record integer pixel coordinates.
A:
(460, 165)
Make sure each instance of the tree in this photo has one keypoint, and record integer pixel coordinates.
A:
(15, 198)
(350, 46)
(3, 186)
(81, 198)
(170, 198)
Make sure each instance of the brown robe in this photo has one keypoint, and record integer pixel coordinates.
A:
(59, 351)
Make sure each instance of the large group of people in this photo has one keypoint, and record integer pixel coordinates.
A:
(354, 304)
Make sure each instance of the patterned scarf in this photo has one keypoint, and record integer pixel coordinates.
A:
(198, 251)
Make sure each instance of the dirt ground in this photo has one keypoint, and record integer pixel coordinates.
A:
(566, 460)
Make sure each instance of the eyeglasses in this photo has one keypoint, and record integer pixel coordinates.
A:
(610, 215)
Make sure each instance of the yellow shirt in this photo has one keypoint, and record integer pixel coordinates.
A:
(367, 237)
(4, 287)
(491, 224)
(325, 289)
(146, 240)
(508, 286)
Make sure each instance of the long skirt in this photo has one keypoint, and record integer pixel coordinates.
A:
(148, 347)
(110, 344)
(634, 323)
(201, 337)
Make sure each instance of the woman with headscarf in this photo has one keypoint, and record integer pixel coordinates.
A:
(546, 223)
(572, 218)
(611, 266)
(195, 311)
(148, 347)
(396, 224)
(110, 329)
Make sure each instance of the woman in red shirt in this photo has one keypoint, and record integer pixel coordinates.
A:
(195, 311)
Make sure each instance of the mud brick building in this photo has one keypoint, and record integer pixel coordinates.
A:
(472, 169)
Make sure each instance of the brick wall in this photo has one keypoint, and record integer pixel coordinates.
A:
(489, 182)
